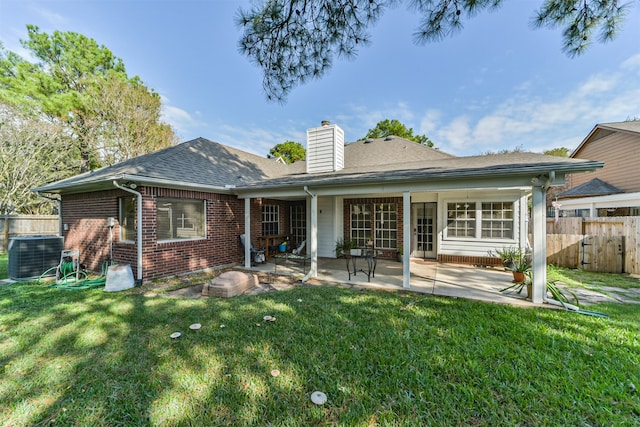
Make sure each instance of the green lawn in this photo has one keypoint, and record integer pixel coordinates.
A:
(95, 358)
(4, 265)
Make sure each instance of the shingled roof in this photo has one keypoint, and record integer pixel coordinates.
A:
(197, 162)
(207, 165)
(595, 187)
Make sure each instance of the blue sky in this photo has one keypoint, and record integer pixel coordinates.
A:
(498, 84)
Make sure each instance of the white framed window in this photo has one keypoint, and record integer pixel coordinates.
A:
(497, 220)
(374, 222)
(461, 219)
(127, 219)
(180, 219)
(490, 220)
(361, 223)
(270, 220)
(386, 226)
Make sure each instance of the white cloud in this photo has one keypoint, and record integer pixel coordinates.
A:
(53, 18)
(527, 119)
(181, 120)
(258, 140)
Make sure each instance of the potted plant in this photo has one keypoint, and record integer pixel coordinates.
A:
(399, 254)
(344, 247)
(521, 266)
(508, 255)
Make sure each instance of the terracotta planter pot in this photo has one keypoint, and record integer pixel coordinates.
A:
(518, 277)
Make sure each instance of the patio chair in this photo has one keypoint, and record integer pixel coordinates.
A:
(257, 255)
(299, 249)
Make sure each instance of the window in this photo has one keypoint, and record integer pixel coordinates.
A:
(180, 219)
(379, 220)
(481, 220)
(361, 223)
(461, 219)
(386, 226)
(127, 219)
(298, 224)
(497, 220)
(270, 220)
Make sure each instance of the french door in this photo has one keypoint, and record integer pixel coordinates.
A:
(423, 217)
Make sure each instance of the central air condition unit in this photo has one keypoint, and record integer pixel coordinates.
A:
(31, 256)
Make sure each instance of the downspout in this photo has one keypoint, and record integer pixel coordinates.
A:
(59, 201)
(312, 243)
(139, 228)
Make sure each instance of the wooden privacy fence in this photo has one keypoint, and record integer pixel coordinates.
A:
(26, 225)
(603, 254)
(606, 245)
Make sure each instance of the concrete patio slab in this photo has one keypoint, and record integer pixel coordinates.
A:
(427, 277)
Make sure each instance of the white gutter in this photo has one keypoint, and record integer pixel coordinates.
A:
(138, 228)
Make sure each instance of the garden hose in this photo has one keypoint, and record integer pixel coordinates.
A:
(68, 281)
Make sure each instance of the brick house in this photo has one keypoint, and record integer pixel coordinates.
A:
(182, 208)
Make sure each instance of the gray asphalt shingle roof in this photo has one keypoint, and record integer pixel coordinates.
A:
(595, 187)
(207, 164)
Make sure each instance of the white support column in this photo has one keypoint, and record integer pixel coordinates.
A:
(313, 244)
(247, 233)
(539, 231)
(406, 236)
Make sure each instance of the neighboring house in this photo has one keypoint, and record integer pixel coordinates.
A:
(613, 190)
(182, 208)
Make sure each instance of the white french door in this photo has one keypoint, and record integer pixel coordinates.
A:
(423, 217)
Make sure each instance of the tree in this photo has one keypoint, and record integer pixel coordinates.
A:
(64, 85)
(289, 151)
(388, 127)
(293, 41)
(560, 152)
(123, 118)
(32, 152)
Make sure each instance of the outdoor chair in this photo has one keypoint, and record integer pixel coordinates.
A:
(257, 255)
(299, 249)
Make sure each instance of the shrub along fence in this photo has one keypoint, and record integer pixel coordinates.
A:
(26, 225)
(605, 245)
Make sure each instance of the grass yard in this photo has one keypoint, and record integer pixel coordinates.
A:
(4, 265)
(93, 358)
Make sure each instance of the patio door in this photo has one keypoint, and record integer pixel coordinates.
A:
(423, 217)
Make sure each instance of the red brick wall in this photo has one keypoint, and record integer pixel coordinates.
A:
(86, 218)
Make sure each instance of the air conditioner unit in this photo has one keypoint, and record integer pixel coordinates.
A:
(31, 256)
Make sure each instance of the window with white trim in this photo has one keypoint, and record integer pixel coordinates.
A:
(481, 220)
(497, 220)
(180, 219)
(386, 226)
(461, 219)
(270, 220)
(361, 223)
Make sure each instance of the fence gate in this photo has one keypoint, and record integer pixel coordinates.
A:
(602, 254)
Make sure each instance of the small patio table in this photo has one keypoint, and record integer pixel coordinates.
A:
(370, 256)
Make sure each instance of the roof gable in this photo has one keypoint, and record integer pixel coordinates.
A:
(603, 129)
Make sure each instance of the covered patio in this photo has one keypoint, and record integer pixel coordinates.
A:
(427, 277)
